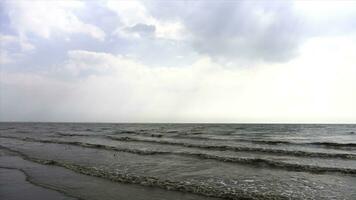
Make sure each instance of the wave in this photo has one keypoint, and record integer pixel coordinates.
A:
(333, 144)
(237, 148)
(91, 145)
(139, 132)
(240, 148)
(7, 128)
(276, 142)
(194, 135)
(241, 160)
(168, 184)
(154, 135)
(73, 134)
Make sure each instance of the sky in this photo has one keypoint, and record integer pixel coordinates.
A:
(178, 61)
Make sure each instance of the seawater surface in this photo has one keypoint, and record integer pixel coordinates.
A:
(181, 161)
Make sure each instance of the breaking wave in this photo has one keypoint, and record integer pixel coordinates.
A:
(241, 160)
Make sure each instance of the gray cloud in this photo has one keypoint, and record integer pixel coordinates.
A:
(144, 30)
(229, 30)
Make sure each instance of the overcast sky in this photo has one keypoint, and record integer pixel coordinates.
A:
(178, 61)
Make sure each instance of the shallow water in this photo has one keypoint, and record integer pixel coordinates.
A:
(229, 161)
(14, 186)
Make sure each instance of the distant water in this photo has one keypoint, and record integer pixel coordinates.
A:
(184, 161)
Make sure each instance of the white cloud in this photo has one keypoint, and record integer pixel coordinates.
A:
(45, 18)
(328, 17)
(310, 88)
(5, 58)
(7, 41)
(13, 47)
(321, 9)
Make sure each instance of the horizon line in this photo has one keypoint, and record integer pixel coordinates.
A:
(92, 122)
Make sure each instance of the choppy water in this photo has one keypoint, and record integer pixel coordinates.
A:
(185, 161)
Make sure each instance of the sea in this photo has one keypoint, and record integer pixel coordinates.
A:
(132, 161)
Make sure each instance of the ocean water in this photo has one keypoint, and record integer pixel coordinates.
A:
(180, 161)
